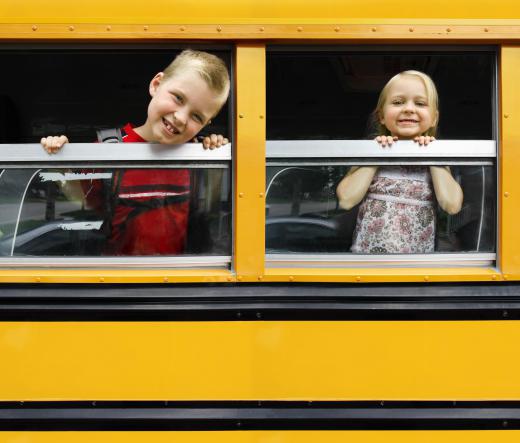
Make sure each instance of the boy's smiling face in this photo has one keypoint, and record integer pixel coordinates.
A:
(180, 107)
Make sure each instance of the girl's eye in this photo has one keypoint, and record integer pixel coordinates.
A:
(421, 104)
(198, 119)
(178, 97)
(397, 102)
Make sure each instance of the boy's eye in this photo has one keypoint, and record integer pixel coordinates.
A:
(397, 102)
(421, 104)
(177, 97)
(198, 118)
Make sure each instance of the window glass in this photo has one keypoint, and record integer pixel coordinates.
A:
(303, 214)
(100, 212)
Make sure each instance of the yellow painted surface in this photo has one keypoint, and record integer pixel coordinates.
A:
(265, 437)
(102, 276)
(268, 11)
(381, 275)
(509, 184)
(374, 30)
(250, 161)
(356, 360)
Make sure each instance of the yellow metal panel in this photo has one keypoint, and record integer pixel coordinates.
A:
(250, 162)
(342, 360)
(264, 437)
(232, 11)
(374, 30)
(45, 275)
(509, 189)
(381, 275)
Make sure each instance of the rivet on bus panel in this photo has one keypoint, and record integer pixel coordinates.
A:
(506, 115)
(109, 28)
(101, 279)
(38, 279)
(374, 29)
(145, 28)
(261, 116)
(506, 194)
(505, 276)
(299, 28)
(426, 278)
(182, 28)
(35, 28)
(493, 277)
(291, 278)
(358, 278)
(240, 115)
(411, 29)
(71, 28)
(260, 277)
(261, 194)
(486, 29)
(219, 29)
(262, 29)
(230, 278)
(336, 29)
(165, 280)
(448, 29)
(241, 194)
(240, 278)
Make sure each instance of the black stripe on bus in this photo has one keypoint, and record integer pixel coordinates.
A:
(306, 302)
(152, 416)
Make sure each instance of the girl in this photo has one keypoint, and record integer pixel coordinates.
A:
(397, 214)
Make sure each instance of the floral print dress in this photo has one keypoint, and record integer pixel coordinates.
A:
(397, 214)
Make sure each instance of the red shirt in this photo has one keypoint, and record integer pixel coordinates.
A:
(150, 208)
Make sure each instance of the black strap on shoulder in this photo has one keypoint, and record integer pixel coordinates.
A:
(110, 135)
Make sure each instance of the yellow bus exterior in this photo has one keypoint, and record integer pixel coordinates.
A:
(292, 359)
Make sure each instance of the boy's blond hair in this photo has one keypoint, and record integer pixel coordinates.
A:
(431, 95)
(210, 68)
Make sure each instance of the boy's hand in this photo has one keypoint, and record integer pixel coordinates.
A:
(212, 141)
(386, 140)
(424, 140)
(53, 144)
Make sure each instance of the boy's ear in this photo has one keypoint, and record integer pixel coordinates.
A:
(156, 81)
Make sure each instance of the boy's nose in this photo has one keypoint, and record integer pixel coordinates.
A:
(179, 117)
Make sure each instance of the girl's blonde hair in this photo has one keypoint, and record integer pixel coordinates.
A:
(209, 67)
(431, 95)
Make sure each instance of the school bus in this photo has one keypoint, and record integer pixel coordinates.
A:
(267, 328)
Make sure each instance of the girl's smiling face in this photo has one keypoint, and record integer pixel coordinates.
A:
(406, 112)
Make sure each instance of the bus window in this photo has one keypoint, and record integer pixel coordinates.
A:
(57, 212)
(96, 200)
(303, 214)
(319, 102)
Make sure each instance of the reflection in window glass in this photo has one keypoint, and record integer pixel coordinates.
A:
(59, 212)
(303, 215)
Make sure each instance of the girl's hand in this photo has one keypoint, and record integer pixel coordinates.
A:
(212, 141)
(53, 144)
(386, 140)
(424, 140)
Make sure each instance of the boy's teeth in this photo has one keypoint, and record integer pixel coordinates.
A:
(169, 127)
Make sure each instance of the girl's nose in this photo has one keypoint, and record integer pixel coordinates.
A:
(409, 106)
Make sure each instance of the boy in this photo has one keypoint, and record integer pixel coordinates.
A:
(149, 208)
